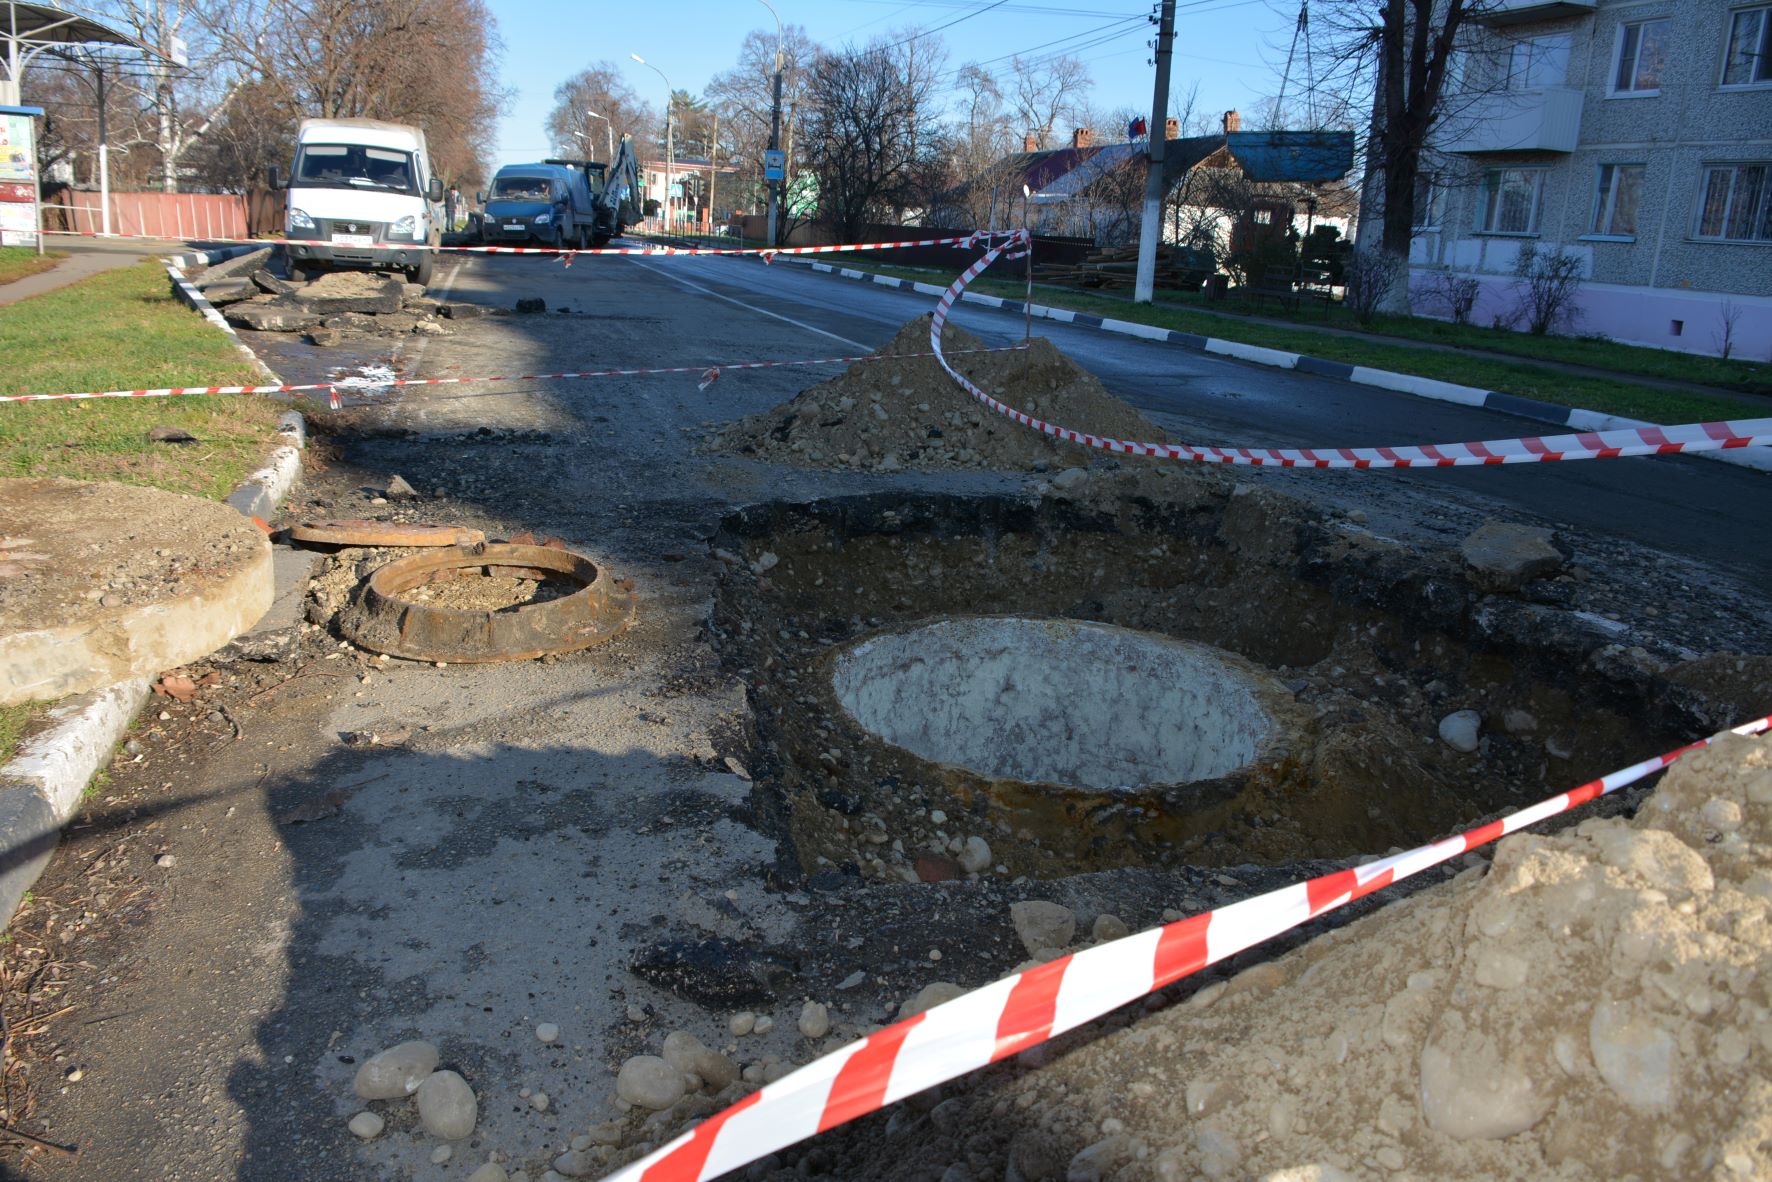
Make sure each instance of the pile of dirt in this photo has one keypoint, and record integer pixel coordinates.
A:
(1598, 1004)
(907, 413)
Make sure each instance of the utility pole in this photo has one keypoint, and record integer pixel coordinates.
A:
(1150, 228)
(774, 128)
(713, 170)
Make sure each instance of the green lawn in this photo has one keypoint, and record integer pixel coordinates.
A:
(18, 261)
(1521, 378)
(116, 331)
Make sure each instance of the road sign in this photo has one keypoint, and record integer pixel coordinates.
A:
(676, 190)
(775, 164)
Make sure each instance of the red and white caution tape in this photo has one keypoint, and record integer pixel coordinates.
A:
(1021, 1011)
(376, 385)
(1585, 445)
(973, 240)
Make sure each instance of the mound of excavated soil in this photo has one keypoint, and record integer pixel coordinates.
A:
(908, 413)
(1597, 1005)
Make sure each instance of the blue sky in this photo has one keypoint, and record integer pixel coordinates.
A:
(1235, 49)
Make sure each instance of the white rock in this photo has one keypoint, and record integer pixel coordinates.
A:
(764, 1025)
(1637, 1059)
(648, 1081)
(1108, 927)
(1097, 1161)
(1458, 730)
(576, 1164)
(1043, 927)
(1068, 479)
(1476, 1101)
(975, 855)
(366, 1125)
(688, 1053)
(547, 1032)
(742, 1024)
(930, 996)
(441, 1154)
(539, 1101)
(815, 1020)
(396, 1071)
(1518, 722)
(490, 1172)
(446, 1106)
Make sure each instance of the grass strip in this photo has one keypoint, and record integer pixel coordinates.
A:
(123, 330)
(1612, 396)
(13, 721)
(16, 262)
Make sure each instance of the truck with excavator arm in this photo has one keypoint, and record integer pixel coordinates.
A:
(563, 202)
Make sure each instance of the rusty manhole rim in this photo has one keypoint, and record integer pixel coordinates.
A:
(380, 619)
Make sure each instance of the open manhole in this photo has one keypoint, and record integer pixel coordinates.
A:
(495, 602)
(1061, 702)
(1213, 679)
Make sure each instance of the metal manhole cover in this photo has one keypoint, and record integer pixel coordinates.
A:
(384, 617)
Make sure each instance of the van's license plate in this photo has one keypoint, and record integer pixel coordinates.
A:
(515, 226)
(354, 239)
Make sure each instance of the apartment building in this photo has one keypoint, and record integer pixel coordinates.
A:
(1635, 134)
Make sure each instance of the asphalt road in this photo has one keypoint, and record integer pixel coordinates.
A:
(1717, 514)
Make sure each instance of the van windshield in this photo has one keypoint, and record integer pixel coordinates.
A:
(353, 166)
(522, 188)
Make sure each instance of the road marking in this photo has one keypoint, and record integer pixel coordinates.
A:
(750, 307)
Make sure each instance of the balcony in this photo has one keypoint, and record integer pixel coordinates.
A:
(1500, 13)
(1546, 120)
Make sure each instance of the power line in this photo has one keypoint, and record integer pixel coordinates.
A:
(938, 28)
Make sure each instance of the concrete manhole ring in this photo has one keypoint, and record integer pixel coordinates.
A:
(1063, 702)
(381, 617)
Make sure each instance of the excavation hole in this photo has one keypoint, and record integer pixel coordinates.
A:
(1058, 701)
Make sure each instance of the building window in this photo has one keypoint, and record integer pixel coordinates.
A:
(1736, 205)
(1749, 60)
(1615, 204)
(1427, 202)
(1642, 58)
(1539, 62)
(1510, 200)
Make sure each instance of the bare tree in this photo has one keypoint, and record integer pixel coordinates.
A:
(1729, 313)
(425, 62)
(743, 98)
(1046, 91)
(600, 89)
(1400, 54)
(866, 137)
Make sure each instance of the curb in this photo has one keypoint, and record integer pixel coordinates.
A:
(1574, 418)
(41, 787)
(187, 291)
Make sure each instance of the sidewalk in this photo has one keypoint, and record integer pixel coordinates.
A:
(83, 262)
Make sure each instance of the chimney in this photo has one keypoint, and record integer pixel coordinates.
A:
(1083, 137)
(1232, 122)
(1171, 128)
(1030, 142)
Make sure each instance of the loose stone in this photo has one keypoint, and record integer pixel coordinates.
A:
(446, 1106)
(366, 1125)
(815, 1020)
(547, 1032)
(648, 1081)
(396, 1071)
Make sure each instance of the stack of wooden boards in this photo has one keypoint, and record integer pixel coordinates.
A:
(1179, 268)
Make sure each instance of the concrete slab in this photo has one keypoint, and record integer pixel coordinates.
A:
(130, 581)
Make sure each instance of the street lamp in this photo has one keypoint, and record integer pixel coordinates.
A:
(609, 127)
(775, 123)
(670, 141)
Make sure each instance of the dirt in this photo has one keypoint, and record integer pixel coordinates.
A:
(888, 415)
(477, 593)
(1595, 1005)
(97, 547)
(1377, 643)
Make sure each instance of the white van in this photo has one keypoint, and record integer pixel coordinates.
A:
(359, 191)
